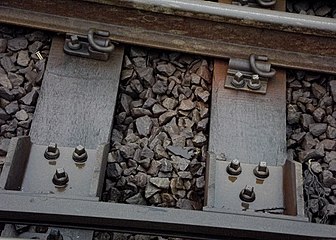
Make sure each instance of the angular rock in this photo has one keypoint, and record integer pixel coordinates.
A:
(154, 168)
(331, 132)
(147, 153)
(319, 114)
(333, 89)
(3, 115)
(12, 108)
(113, 171)
(139, 112)
(21, 115)
(160, 87)
(166, 166)
(318, 90)
(137, 199)
(185, 152)
(187, 105)
(329, 144)
(5, 93)
(151, 190)
(162, 183)
(30, 98)
(4, 81)
(328, 179)
(166, 117)
(17, 44)
(23, 58)
(185, 175)
(199, 139)
(144, 125)
(166, 69)
(317, 128)
(203, 71)
(4, 144)
(170, 103)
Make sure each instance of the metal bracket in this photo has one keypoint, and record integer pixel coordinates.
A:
(96, 45)
(249, 75)
(255, 3)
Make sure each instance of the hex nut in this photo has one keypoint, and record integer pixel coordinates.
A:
(79, 155)
(261, 171)
(254, 83)
(238, 80)
(247, 194)
(234, 168)
(52, 152)
(60, 178)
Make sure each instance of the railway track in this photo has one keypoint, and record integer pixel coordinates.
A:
(173, 130)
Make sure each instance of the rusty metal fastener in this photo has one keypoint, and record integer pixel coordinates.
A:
(234, 168)
(247, 194)
(74, 43)
(52, 152)
(261, 171)
(254, 83)
(108, 47)
(238, 80)
(80, 154)
(60, 178)
(55, 235)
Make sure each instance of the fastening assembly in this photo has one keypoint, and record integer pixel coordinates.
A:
(261, 171)
(80, 154)
(52, 152)
(247, 194)
(234, 168)
(60, 178)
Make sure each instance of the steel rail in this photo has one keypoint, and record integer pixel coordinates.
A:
(154, 220)
(219, 32)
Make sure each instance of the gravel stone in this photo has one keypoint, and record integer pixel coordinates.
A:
(144, 125)
(4, 144)
(17, 44)
(317, 128)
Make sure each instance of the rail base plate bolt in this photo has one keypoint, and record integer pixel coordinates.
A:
(52, 152)
(238, 80)
(261, 171)
(247, 194)
(234, 168)
(54, 235)
(60, 178)
(254, 83)
(80, 154)
(74, 43)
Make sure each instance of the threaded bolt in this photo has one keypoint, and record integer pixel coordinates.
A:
(238, 80)
(234, 167)
(254, 83)
(261, 171)
(79, 155)
(247, 194)
(60, 178)
(52, 152)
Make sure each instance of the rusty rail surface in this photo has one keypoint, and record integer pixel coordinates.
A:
(206, 28)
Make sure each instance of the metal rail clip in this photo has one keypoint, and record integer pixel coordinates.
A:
(249, 75)
(255, 3)
(95, 45)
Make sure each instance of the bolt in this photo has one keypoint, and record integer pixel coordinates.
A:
(238, 80)
(52, 152)
(60, 178)
(80, 154)
(55, 235)
(261, 170)
(247, 194)
(254, 83)
(74, 43)
(234, 167)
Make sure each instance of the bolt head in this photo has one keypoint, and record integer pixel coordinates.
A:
(52, 147)
(74, 39)
(80, 150)
(248, 190)
(262, 167)
(235, 164)
(255, 78)
(238, 76)
(60, 173)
